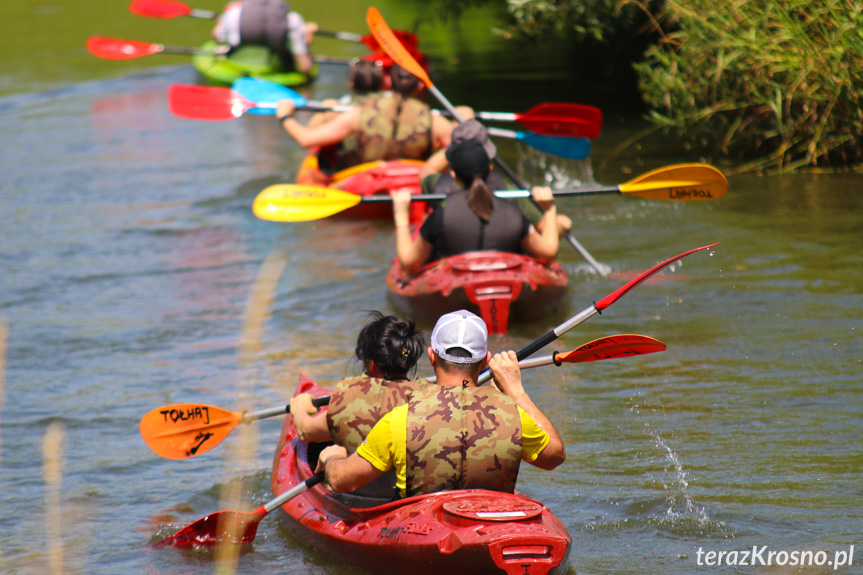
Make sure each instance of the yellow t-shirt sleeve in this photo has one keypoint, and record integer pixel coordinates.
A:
(385, 445)
(377, 447)
(533, 438)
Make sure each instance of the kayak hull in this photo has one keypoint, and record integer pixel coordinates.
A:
(368, 179)
(498, 286)
(462, 531)
(247, 61)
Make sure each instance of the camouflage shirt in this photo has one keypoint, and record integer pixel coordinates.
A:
(393, 127)
(357, 403)
(462, 438)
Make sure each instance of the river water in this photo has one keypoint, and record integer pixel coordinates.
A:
(128, 252)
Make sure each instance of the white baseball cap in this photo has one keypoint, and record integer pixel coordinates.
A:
(460, 329)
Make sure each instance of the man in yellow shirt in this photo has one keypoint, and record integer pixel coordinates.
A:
(454, 435)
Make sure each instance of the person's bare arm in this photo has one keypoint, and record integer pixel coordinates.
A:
(311, 424)
(542, 242)
(331, 132)
(436, 164)
(304, 62)
(441, 132)
(507, 378)
(345, 473)
(324, 117)
(412, 253)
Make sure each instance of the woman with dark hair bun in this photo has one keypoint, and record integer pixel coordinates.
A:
(388, 348)
(366, 77)
(472, 218)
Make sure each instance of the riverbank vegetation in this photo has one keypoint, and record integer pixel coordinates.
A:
(775, 84)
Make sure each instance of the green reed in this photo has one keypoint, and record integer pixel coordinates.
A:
(776, 83)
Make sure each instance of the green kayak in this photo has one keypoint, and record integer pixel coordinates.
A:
(254, 61)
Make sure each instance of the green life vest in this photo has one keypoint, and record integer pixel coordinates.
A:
(462, 438)
(393, 127)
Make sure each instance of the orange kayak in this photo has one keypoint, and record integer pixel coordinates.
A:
(370, 178)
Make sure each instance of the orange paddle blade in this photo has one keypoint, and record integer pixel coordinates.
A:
(611, 347)
(390, 44)
(184, 430)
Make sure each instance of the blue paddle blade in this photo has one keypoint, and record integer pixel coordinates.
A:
(563, 146)
(265, 93)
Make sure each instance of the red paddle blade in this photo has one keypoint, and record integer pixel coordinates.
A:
(159, 8)
(221, 527)
(116, 49)
(561, 119)
(211, 103)
(622, 290)
(611, 347)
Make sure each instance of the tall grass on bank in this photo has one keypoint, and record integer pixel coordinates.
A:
(777, 83)
(542, 19)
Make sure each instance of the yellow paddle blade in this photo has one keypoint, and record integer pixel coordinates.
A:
(296, 203)
(393, 47)
(184, 430)
(610, 347)
(680, 182)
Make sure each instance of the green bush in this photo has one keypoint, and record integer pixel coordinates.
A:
(570, 19)
(776, 82)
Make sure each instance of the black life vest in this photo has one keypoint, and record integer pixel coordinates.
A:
(463, 231)
(265, 23)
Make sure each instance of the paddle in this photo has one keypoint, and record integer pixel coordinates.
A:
(232, 526)
(562, 146)
(681, 182)
(267, 94)
(594, 309)
(253, 95)
(611, 347)
(168, 9)
(120, 49)
(554, 119)
(184, 430)
(390, 44)
(215, 103)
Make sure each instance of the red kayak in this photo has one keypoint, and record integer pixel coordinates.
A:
(464, 531)
(367, 179)
(496, 285)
